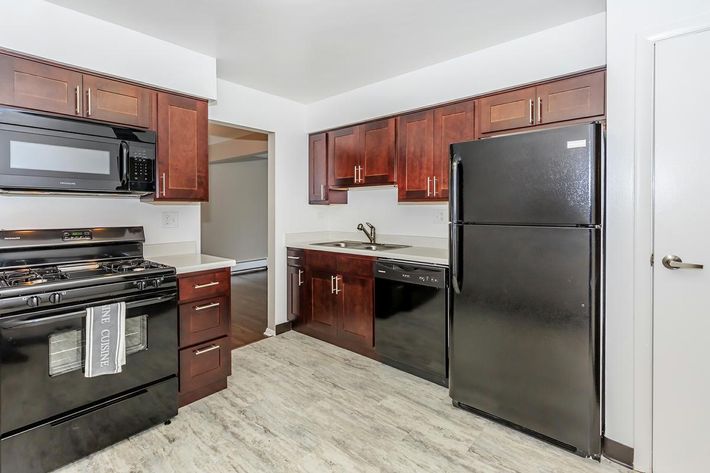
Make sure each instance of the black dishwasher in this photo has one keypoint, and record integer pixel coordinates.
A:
(411, 328)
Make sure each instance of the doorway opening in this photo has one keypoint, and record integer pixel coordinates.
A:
(235, 223)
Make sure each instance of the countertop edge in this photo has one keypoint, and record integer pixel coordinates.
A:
(193, 263)
(392, 254)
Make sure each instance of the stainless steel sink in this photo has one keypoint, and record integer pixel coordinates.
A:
(361, 245)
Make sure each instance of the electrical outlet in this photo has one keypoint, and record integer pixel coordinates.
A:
(442, 216)
(169, 219)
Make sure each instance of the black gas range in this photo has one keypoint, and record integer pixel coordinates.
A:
(50, 413)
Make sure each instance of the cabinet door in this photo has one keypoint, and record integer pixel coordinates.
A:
(568, 99)
(117, 102)
(182, 148)
(318, 169)
(324, 304)
(415, 147)
(344, 152)
(507, 111)
(452, 124)
(30, 84)
(356, 321)
(296, 279)
(378, 152)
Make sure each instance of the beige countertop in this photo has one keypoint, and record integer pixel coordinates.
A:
(421, 249)
(183, 257)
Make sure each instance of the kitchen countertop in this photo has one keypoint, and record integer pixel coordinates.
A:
(184, 258)
(422, 250)
(191, 263)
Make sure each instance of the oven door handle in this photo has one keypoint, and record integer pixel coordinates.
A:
(22, 322)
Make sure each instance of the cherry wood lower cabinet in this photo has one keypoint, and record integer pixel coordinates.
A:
(296, 284)
(339, 302)
(204, 328)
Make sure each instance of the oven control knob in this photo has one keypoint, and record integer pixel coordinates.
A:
(140, 285)
(33, 301)
(55, 298)
(157, 282)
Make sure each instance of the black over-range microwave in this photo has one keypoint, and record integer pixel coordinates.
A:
(47, 153)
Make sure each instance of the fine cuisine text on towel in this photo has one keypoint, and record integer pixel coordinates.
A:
(105, 339)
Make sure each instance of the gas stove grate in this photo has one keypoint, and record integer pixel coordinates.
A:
(30, 276)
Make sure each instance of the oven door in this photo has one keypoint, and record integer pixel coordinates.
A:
(53, 160)
(42, 355)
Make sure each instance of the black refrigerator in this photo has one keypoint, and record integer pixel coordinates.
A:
(526, 260)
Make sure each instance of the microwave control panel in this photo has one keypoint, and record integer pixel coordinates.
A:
(141, 169)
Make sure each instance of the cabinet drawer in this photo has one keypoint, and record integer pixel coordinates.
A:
(321, 261)
(204, 364)
(194, 286)
(355, 265)
(203, 320)
(295, 257)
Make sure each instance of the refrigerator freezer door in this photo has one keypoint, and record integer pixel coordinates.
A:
(525, 333)
(549, 177)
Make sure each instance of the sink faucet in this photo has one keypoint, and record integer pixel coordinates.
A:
(371, 234)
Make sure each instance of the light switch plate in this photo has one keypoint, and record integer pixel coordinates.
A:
(169, 219)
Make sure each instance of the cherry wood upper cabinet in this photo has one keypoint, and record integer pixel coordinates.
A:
(344, 153)
(568, 99)
(507, 111)
(117, 102)
(452, 124)
(415, 156)
(38, 86)
(318, 169)
(182, 149)
(377, 161)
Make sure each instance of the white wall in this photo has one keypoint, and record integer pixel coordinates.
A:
(556, 51)
(234, 221)
(379, 206)
(45, 30)
(288, 173)
(629, 321)
(18, 212)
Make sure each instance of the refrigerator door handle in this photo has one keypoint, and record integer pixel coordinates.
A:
(455, 188)
(456, 258)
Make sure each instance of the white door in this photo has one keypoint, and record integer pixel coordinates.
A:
(681, 319)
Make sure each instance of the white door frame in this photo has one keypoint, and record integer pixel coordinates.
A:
(643, 231)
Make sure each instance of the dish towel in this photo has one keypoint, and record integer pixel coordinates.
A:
(105, 339)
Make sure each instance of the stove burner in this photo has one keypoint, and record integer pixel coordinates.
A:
(30, 277)
(127, 266)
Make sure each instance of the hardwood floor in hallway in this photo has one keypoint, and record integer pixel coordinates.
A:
(249, 307)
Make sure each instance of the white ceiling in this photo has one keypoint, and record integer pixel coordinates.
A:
(307, 50)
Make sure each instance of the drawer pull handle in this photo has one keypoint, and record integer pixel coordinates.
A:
(209, 284)
(293, 257)
(206, 306)
(206, 350)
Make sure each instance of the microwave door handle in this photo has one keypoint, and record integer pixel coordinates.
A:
(123, 161)
(22, 320)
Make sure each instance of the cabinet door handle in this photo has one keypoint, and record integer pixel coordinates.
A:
(434, 186)
(539, 110)
(293, 257)
(428, 186)
(206, 350)
(88, 102)
(209, 284)
(300, 277)
(162, 178)
(360, 174)
(206, 306)
(530, 111)
(322, 192)
(332, 284)
(77, 97)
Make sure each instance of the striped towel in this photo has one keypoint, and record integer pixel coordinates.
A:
(105, 339)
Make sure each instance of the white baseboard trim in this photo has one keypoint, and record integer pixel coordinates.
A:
(269, 332)
(247, 265)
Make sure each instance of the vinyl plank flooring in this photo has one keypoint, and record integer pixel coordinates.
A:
(249, 308)
(296, 404)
